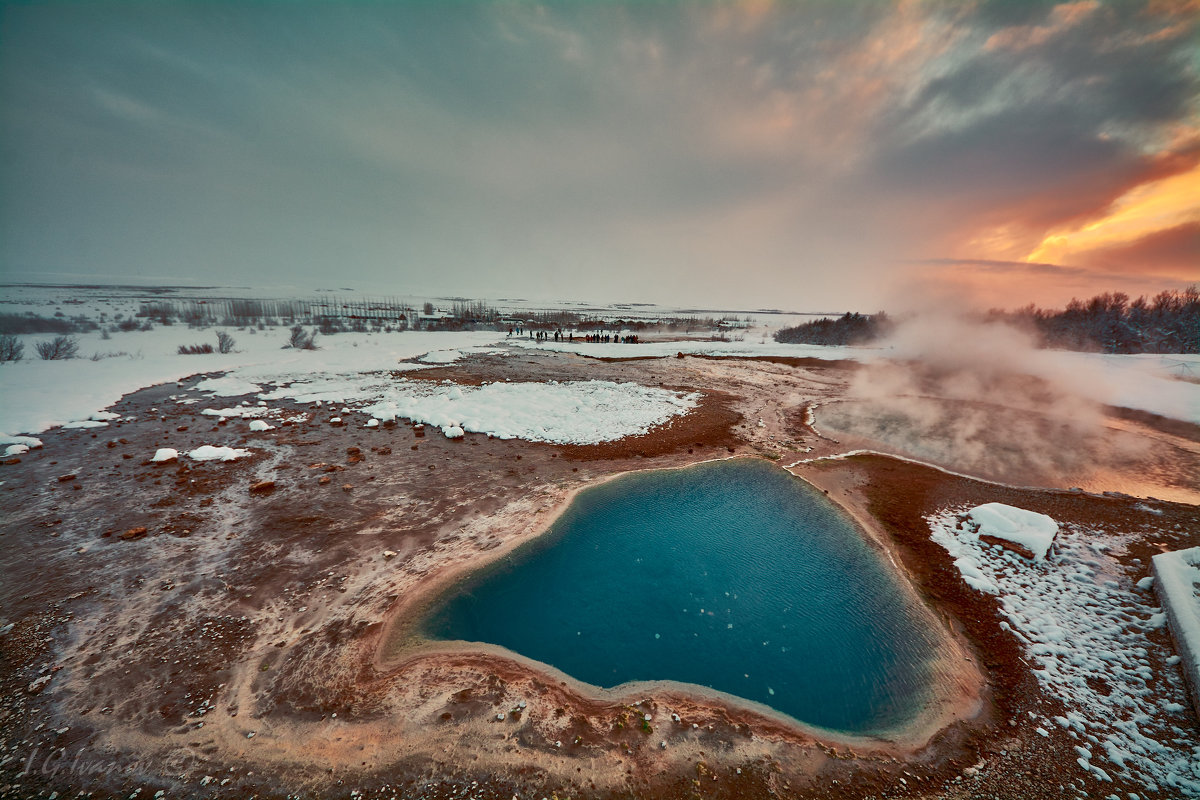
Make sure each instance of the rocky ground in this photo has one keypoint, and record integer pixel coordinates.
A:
(236, 629)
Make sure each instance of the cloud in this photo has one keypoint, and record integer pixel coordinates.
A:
(1173, 251)
(741, 151)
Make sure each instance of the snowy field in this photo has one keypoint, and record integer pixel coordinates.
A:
(37, 395)
(1083, 626)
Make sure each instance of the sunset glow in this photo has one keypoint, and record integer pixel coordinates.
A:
(827, 154)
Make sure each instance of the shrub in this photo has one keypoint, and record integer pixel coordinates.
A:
(300, 339)
(58, 349)
(195, 349)
(127, 325)
(11, 348)
(32, 323)
(225, 342)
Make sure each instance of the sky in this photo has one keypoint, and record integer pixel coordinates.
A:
(817, 155)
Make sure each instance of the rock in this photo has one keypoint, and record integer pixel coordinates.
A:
(336, 422)
(347, 487)
(324, 479)
(66, 478)
(38, 684)
(134, 533)
(352, 451)
(390, 553)
(679, 355)
(262, 487)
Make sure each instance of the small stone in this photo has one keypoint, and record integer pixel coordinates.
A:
(393, 554)
(66, 478)
(134, 533)
(347, 487)
(324, 479)
(262, 487)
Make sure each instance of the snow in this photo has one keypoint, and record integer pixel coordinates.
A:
(227, 386)
(245, 412)
(452, 431)
(32, 442)
(1083, 625)
(38, 395)
(16, 450)
(1035, 532)
(210, 453)
(261, 425)
(165, 454)
(1178, 584)
(575, 412)
(696, 347)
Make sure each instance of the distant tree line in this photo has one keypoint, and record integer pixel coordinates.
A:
(850, 328)
(1169, 322)
(1112, 323)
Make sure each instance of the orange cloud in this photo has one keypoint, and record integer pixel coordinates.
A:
(1062, 17)
(1142, 212)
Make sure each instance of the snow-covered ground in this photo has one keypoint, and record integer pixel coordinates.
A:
(1083, 625)
(37, 395)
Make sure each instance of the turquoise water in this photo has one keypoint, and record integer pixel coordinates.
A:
(732, 575)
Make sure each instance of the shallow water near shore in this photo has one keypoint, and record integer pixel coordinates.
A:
(731, 575)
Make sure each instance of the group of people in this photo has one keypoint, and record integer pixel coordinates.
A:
(559, 336)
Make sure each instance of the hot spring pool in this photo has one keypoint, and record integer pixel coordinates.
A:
(730, 575)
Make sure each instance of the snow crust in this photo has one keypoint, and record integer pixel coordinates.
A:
(227, 386)
(38, 395)
(1178, 576)
(1083, 625)
(576, 412)
(209, 452)
(1031, 530)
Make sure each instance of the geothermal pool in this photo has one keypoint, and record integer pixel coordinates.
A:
(730, 575)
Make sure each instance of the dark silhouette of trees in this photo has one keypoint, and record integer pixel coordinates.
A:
(1112, 323)
(846, 329)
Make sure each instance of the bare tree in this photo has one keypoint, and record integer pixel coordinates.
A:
(57, 349)
(225, 342)
(301, 339)
(11, 348)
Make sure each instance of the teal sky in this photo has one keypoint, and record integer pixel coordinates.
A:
(807, 155)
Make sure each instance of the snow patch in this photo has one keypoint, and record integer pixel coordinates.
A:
(1083, 626)
(576, 412)
(1178, 585)
(245, 412)
(210, 453)
(228, 386)
(261, 425)
(16, 450)
(1035, 532)
(165, 454)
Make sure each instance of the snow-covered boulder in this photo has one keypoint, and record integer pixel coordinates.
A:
(453, 431)
(1178, 586)
(164, 454)
(209, 453)
(1031, 533)
(16, 450)
(261, 425)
